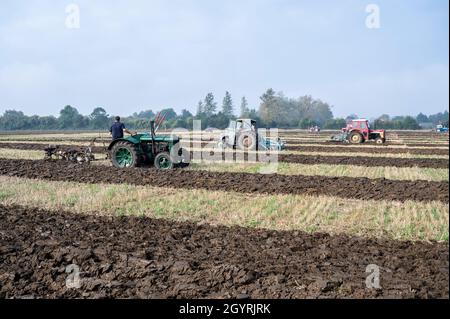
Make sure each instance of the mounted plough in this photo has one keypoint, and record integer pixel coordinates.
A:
(79, 155)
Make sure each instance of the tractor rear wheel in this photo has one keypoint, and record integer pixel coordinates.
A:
(247, 141)
(124, 154)
(163, 161)
(355, 138)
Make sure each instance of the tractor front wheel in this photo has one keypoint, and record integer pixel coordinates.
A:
(124, 154)
(355, 138)
(163, 161)
(380, 140)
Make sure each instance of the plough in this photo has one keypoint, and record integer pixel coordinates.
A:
(82, 155)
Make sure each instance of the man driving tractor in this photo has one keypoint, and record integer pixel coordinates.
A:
(117, 129)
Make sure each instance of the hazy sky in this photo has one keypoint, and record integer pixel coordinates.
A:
(133, 55)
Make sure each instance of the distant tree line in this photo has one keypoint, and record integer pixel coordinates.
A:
(274, 110)
(70, 119)
(412, 123)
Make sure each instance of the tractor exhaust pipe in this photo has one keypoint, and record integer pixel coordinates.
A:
(152, 130)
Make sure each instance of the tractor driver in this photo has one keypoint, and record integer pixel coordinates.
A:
(117, 129)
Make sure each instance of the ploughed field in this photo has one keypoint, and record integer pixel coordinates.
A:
(356, 156)
(147, 258)
(295, 147)
(361, 188)
(230, 226)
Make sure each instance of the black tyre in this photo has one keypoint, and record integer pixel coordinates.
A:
(355, 138)
(163, 161)
(380, 140)
(124, 154)
(247, 141)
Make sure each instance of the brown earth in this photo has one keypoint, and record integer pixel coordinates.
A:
(368, 144)
(55, 140)
(346, 187)
(41, 147)
(305, 148)
(430, 137)
(330, 160)
(132, 257)
(397, 140)
(377, 150)
(366, 161)
(388, 133)
(386, 144)
(295, 158)
(86, 141)
(337, 149)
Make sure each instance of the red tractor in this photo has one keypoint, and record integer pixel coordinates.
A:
(358, 131)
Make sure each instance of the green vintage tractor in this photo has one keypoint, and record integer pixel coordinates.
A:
(162, 151)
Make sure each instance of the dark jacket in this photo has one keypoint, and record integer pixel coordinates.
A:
(117, 130)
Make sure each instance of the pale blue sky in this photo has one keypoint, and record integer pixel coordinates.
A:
(133, 55)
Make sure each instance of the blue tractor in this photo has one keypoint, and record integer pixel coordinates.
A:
(441, 129)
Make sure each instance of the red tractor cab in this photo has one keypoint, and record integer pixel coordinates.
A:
(358, 131)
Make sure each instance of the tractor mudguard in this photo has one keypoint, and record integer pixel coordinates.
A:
(130, 139)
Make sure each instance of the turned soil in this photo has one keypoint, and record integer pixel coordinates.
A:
(132, 257)
(346, 187)
(307, 159)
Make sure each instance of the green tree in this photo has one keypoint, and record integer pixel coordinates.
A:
(185, 114)
(148, 114)
(69, 118)
(315, 110)
(306, 123)
(384, 118)
(244, 107)
(210, 106)
(227, 105)
(398, 123)
(410, 123)
(277, 110)
(439, 118)
(170, 114)
(13, 120)
(268, 109)
(253, 114)
(200, 108)
(218, 120)
(48, 123)
(422, 118)
(99, 119)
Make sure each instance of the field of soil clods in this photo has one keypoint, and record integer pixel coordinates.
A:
(139, 257)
